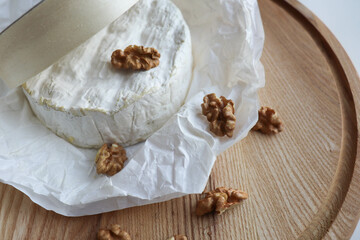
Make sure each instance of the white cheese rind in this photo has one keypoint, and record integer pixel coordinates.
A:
(83, 99)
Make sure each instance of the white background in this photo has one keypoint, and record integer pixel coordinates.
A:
(342, 17)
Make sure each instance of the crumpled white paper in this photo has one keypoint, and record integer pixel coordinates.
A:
(227, 41)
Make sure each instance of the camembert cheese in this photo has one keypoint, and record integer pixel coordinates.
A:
(86, 101)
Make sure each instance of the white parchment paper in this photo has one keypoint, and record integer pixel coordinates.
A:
(227, 41)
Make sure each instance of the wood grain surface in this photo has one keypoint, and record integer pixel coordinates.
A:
(302, 183)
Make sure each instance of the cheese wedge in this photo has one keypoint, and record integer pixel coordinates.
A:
(85, 100)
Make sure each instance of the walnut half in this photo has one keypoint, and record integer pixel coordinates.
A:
(269, 122)
(135, 58)
(110, 159)
(113, 233)
(219, 200)
(220, 113)
(178, 237)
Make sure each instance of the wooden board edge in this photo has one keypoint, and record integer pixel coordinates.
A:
(348, 84)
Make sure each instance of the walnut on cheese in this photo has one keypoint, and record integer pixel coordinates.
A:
(269, 122)
(220, 113)
(135, 58)
(110, 159)
(113, 233)
(178, 237)
(219, 200)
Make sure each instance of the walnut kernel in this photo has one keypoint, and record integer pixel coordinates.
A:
(269, 122)
(219, 200)
(178, 237)
(135, 58)
(113, 233)
(110, 159)
(220, 113)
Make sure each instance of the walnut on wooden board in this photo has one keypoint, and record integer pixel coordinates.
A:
(135, 58)
(219, 200)
(269, 122)
(113, 233)
(178, 237)
(110, 159)
(220, 114)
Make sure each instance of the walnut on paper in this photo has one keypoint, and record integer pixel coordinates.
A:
(110, 159)
(220, 114)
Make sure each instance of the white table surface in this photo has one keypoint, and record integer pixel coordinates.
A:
(342, 17)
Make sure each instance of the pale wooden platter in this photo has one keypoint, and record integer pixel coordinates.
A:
(303, 183)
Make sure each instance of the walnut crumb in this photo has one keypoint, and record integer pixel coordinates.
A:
(269, 122)
(113, 233)
(219, 200)
(178, 237)
(220, 113)
(135, 58)
(110, 159)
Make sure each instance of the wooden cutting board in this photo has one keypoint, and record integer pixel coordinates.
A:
(302, 183)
